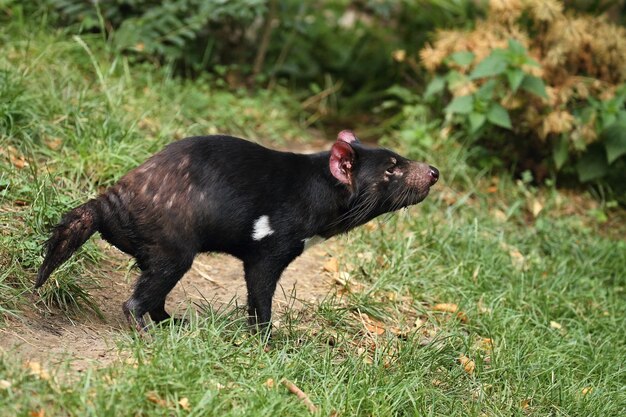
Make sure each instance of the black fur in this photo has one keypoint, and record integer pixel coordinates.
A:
(205, 194)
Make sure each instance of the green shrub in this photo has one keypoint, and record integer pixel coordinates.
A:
(538, 86)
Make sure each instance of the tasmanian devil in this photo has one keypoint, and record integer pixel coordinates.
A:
(224, 194)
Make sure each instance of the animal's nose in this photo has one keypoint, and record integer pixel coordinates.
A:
(434, 174)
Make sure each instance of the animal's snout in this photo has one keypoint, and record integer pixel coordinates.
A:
(434, 174)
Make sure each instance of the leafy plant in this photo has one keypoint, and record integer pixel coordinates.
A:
(554, 80)
(502, 74)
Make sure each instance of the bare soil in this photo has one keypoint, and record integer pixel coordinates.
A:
(86, 340)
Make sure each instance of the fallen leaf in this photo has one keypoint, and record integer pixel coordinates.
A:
(39, 413)
(492, 189)
(4, 384)
(54, 143)
(372, 326)
(398, 331)
(331, 265)
(153, 397)
(517, 258)
(18, 161)
(525, 403)
(436, 382)
(468, 364)
(485, 344)
(37, 370)
(184, 403)
(462, 316)
(269, 383)
(535, 207)
(446, 307)
(555, 325)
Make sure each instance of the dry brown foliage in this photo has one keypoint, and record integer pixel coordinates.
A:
(579, 57)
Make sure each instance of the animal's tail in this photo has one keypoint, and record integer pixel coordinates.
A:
(75, 228)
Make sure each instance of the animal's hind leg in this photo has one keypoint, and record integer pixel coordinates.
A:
(159, 276)
(158, 315)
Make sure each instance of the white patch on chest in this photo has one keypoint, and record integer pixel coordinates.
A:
(313, 240)
(262, 228)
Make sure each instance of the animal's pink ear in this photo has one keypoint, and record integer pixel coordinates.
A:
(341, 162)
(347, 136)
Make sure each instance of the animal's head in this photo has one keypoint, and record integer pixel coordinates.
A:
(380, 180)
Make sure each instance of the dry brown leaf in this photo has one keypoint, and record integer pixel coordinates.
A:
(37, 370)
(372, 326)
(4, 384)
(18, 161)
(446, 307)
(468, 364)
(492, 189)
(486, 344)
(436, 382)
(331, 265)
(153, 397)
(517, 259)
(184, 403)
(398, 331)
(462, 316)
(54, 143)
(269, 383)
(535, 207)
(37, 413)
(525, 403)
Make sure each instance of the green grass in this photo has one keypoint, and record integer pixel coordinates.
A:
(549, 291)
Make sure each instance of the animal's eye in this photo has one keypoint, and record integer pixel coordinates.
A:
(390, 170)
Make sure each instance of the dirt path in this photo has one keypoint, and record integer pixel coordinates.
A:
(87, 341)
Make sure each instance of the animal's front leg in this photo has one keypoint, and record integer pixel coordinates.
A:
(261, 279)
